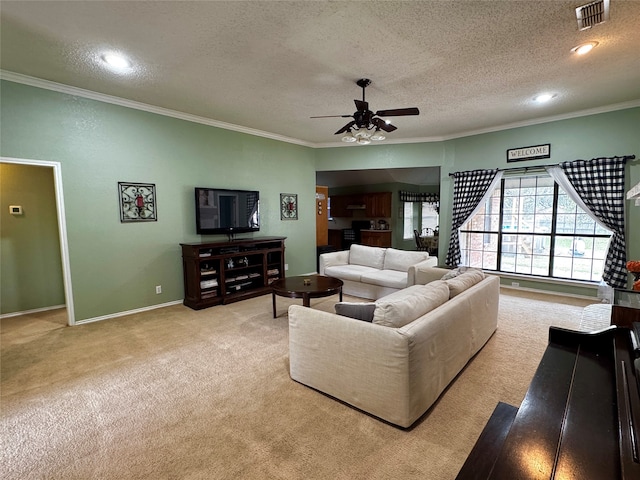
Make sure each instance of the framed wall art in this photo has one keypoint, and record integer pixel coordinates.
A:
(288, 206)
(137, 202)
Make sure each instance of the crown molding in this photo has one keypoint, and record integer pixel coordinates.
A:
(554, 118)
(499, 128)
(123, 102)
(101, 97)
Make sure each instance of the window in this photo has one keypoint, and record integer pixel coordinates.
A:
(530, 226)
(408, 222)
(421, 216)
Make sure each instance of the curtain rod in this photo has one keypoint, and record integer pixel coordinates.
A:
(542, 167)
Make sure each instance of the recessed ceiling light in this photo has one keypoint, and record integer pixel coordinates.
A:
(544, 97)
(584, 48)
(116, 61)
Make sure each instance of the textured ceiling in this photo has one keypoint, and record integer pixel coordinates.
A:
(469, 66)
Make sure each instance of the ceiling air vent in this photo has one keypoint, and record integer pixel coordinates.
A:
(593, 13)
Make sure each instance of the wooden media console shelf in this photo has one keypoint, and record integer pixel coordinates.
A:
(226, 272)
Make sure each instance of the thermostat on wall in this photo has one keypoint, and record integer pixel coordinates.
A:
(15, 209)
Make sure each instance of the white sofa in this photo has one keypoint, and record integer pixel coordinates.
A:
(373, 272)
(395, 373)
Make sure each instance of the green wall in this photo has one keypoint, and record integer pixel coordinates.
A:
(115, 266)
(31, 273)
(601, 135)
(604, 135)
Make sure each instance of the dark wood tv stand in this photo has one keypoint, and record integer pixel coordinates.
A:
(229, 271)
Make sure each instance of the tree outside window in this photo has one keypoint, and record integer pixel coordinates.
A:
(530, 226)
(420, 216)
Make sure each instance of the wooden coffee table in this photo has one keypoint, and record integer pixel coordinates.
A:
(305, 287)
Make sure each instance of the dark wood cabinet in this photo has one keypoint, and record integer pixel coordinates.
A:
(226, 272)
(378, 204)
(339, 205)
(335, 239)
(376, 238)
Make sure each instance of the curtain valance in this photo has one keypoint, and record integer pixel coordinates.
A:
(419, 197)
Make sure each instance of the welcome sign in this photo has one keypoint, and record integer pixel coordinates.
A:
(529, 153)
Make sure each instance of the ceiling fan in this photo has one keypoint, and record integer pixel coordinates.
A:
(366, 125)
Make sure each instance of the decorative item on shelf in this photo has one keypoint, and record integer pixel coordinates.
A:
(230, 263)
(633, 266)
(243, 262)
(137, 202)
(288, 206)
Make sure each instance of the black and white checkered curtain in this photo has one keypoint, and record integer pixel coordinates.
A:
(600, 185)
(469, 190)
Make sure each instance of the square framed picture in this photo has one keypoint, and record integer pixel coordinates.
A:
(288, 206)
(137, 202)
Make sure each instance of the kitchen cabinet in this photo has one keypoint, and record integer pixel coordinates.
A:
(378, 204)
(375, 205)
(335, 239)
(339, 204)
(376, 238)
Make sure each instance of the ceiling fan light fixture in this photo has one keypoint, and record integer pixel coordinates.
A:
(368, 125)
(362, 132)
(349, 138)
(378, 135)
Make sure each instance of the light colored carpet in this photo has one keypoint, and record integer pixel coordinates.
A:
(175, 393)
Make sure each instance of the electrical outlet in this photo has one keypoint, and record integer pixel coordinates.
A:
(515, 284)
(158, 289)
(286, 266)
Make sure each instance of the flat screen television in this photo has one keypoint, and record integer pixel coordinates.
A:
(222, 211)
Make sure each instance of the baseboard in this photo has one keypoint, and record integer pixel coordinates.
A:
(550, 292)
(27, 312)
(128, 312)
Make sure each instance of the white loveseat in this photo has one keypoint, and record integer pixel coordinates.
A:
(395, 372)
(373, 272)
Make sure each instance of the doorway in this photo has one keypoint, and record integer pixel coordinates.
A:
(62, 228)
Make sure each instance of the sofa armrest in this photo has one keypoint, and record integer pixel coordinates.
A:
(332, 259)
(415, 276)
(360, 363)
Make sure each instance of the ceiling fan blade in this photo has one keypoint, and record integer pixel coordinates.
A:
(345, 128)
(382, 125)
(398, 112)
(332, 116)
(361, 105)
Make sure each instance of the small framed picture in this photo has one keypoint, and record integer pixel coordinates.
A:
(288, 206)
(137, 202)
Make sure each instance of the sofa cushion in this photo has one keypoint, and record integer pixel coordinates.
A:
(401, 260)
(385, 278)
(359, 311)
(459, 284)
(458, 271)
(404, 306)
(366, 256)
(348, 272)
